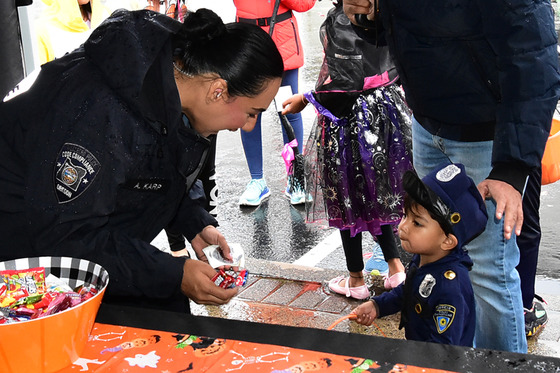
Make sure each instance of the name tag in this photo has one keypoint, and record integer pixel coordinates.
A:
(148, 185)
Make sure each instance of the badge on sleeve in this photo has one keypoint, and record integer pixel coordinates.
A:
(75, 169)
(443, 316)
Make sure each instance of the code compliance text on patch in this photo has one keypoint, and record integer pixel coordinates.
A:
(75, 170)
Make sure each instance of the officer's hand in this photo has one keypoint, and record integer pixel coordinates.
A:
(210, 236)
(197, 284)
(353, 7)
(508, 203)
(365, 313)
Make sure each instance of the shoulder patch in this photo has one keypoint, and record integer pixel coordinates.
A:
(75, 170)
(443, 317)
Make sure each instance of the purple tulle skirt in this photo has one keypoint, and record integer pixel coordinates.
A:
(354, 165)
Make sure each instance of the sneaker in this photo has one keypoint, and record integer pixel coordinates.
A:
(535, 319)
(296, 196)
(376, 264)
(255, 192)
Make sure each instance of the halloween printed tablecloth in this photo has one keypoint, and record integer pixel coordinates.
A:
(114, 348)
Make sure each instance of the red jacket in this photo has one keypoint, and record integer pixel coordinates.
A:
(286, 33)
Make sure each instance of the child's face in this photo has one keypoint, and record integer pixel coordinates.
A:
(421, 234)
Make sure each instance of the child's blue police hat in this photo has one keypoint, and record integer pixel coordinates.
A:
(450, 195)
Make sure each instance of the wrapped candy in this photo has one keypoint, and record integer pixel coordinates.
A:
(27, 294)
(19, 284)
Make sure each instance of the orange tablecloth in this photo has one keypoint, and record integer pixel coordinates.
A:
(113, 348)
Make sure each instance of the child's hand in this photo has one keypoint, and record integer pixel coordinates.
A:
(365, 313)
(294, 104)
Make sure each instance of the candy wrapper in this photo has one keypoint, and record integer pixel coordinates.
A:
(19, 284)
(230, 279)
(215, 258)
(54, 284)
(27, 294)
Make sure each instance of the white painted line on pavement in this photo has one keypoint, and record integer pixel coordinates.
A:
(320, 252)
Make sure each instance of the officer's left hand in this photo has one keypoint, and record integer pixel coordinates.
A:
(198, 286)
(508, 203)
(210, 236)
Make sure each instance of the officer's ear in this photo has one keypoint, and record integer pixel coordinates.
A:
(217, 90)
(450, 242)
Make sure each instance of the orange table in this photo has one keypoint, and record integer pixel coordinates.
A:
(140, 340)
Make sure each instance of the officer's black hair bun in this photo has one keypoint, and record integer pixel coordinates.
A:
(202, 26)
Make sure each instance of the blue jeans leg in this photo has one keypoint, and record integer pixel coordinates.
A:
(252, 145)
(252, 141)
(500, 323)
(291, 78)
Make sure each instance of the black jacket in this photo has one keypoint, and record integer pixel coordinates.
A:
(477, 70)
(95, 160)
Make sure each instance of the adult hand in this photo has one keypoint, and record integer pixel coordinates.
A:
(197, 284)
(508, 203)
(294, 104)
(353, 7)
(210, 236)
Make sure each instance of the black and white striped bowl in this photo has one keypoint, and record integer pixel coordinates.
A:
(50, 343)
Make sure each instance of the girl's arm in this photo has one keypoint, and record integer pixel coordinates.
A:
(294, 104)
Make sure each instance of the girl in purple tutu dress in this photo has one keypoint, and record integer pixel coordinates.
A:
(358, 149)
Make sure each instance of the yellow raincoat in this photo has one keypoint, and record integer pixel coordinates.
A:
(62, 29)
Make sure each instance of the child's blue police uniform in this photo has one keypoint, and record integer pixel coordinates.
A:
(440, 304)
(436, 300)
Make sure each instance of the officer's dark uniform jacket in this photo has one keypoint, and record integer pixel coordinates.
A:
(479, 70)
(95, 160)
(438, 305)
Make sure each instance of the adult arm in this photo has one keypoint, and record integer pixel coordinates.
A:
(523, 36)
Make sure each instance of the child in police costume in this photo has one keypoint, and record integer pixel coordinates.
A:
(443, 212)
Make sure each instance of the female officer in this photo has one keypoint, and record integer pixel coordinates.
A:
(100, 153)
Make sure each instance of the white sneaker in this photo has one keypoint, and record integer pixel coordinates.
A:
(297, 197)
(255, 192)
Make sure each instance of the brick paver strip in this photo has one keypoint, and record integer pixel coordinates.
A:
(260, 289)
(334, 304)
(309, 300)
(285, 294)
